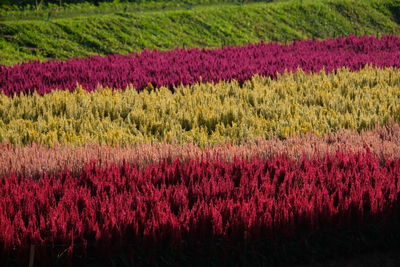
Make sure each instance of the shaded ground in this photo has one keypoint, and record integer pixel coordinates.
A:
(377, 258)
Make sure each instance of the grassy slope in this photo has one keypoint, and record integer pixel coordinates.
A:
(209, 26)
(86, 8)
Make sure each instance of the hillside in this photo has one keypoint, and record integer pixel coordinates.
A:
(201, 26)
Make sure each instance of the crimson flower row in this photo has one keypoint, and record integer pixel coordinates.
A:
(197, 200)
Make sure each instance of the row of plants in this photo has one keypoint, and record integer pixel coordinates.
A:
(177, 204)
(35, 160)
(176, 67)
(206, 113)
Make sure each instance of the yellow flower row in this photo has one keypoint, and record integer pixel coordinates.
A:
(206, 113)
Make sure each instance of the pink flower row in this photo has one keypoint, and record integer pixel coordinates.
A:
(189, 66)
(35, 160)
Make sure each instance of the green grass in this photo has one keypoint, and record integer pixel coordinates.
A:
(49, 10)
(202, 26)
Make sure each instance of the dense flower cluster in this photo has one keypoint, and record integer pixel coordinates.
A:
(180, 66)
(197, 200)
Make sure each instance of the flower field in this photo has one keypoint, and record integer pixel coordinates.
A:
(247, 149)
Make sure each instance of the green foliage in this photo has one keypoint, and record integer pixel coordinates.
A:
(206, 114)
(42, 9)
(202, 26)
(45, 4)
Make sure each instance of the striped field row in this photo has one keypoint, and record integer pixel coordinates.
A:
(35, 160)
(205, 113)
